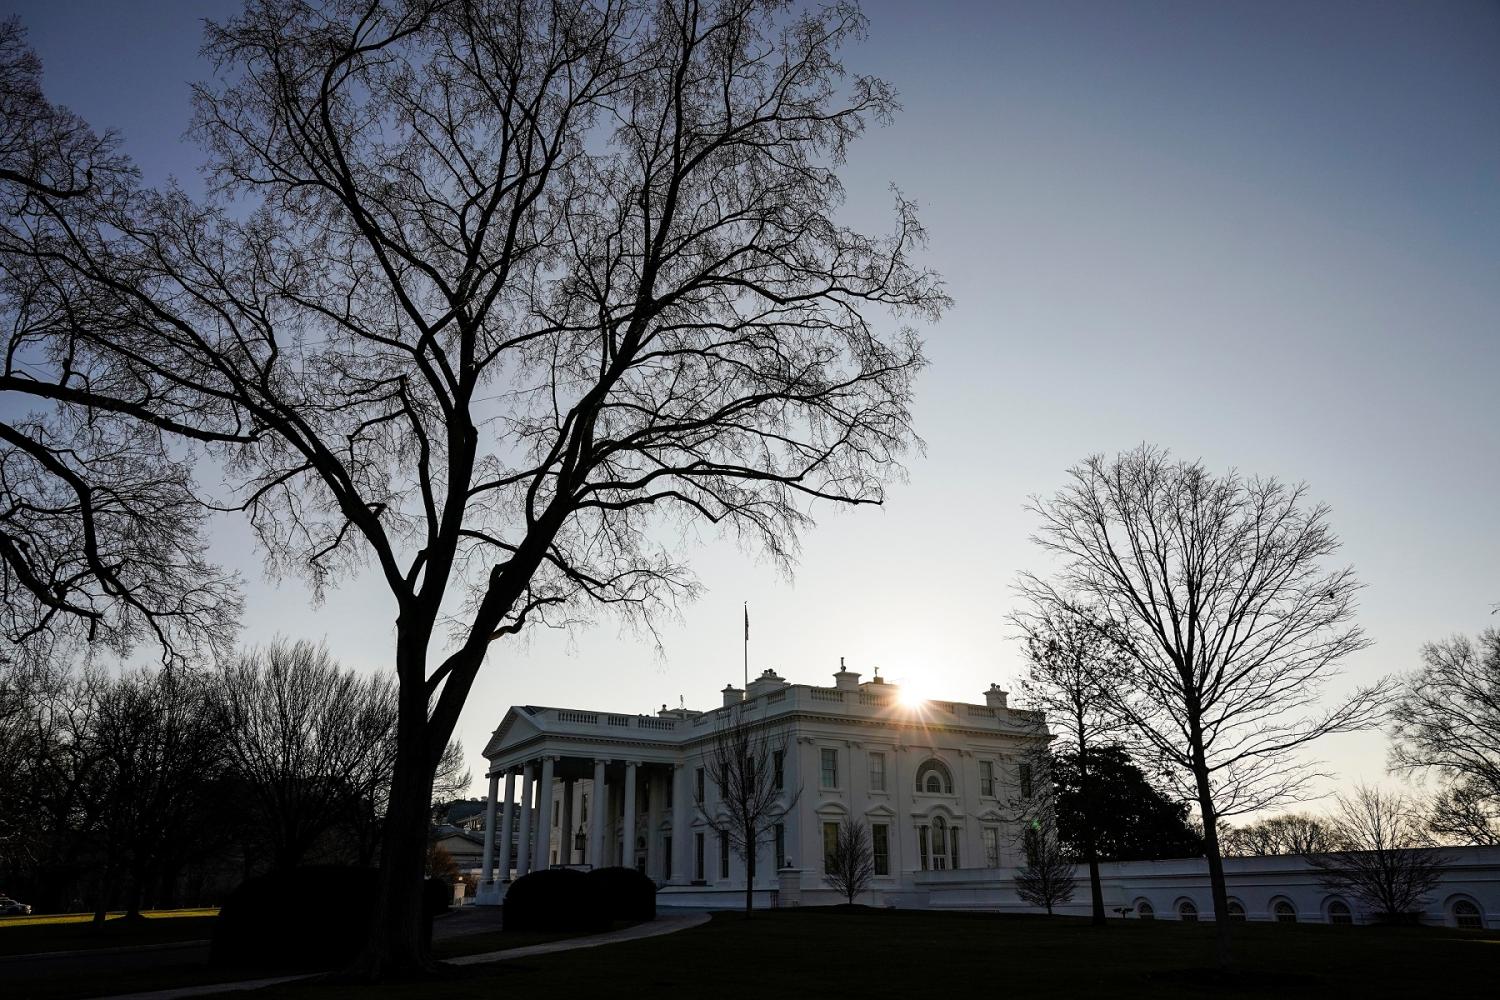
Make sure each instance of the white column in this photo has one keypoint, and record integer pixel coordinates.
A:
(507, 823)
(656, 796)
(682, 820)
(596, 818)
(627, 830)
(565, 827)
(544, 814)
(523, 853)
(487, 865)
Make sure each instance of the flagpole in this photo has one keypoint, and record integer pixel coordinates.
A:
(747, 646)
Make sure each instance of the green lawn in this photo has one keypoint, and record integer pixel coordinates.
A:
(77, 932)
(909, 953)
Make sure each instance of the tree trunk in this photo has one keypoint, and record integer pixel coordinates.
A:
(396, 938)
(750, 876)
(1220, 893)
(1090, 845)
(397, 943)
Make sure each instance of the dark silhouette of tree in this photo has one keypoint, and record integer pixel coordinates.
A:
(1213, 589)
(1465, 813)
(506, 288)
(1133, 821)
(850, 866)
(155, 755)
(1071, 662)
(1293, 833)
(1387, 863)
(1446, 721)
(743, 764)
(101, 536)
(1049, 878)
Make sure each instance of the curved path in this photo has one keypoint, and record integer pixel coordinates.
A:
(657, 927)
(661, 925)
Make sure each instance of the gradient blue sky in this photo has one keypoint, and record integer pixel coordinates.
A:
(1264, 234)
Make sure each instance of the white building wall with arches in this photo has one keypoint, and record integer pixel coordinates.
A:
(1261, 889)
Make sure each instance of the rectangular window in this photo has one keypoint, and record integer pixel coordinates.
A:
(780, 846)
(555, 807)
(779, 762)
(698, 856)
(986, 779)
(1025, 780)
(877, 772)
(830, 843)
(830, 759)
(723, 854)
(583, 808)
(922, 845)
(953, 843)
(880, 848)
(991, 847)
(700, 785)
(666, 845)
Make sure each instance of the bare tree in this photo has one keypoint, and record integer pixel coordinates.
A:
(1072, 666)
(507, 286)
(311, 744)
(1213, 590)
(850, 866)
(1446, 721)
(155, 751)
(1293, 833)
(1465, 813)
(1049, 877)
(1388, 863)
(745, 764)
(101, 533)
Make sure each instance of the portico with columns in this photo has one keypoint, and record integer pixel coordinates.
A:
(582, 788)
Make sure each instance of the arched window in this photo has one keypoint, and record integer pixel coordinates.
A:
(1339, 912)
(1467, 915)
(1236, 911)
(1187, 911)
(933, 778)
(1145, 910)
(1284, 912)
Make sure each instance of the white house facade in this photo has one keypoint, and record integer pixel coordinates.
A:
(934, 782)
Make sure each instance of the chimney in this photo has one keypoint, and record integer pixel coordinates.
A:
(767, 682)
(994, 697)
(845, 679)
(733, 695)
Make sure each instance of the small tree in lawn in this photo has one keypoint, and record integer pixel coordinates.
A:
(1048, 879)
(745, 765)
(1386, 867)
(850, 866)
(1072, 664)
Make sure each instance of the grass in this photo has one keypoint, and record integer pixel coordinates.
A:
(906, 953)
(77, 932)
(84, 918)
(99, 975)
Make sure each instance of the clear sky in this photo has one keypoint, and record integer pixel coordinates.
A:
(1263, 234)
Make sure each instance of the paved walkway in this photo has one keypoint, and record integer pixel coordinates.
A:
(659, 926)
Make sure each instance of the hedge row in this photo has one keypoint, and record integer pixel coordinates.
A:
(563, 899)
(314, 917)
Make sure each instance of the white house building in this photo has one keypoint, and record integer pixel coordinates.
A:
(935, 783)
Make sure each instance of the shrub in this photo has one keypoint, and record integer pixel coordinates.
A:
(282, 919)
(622, 893)
(554, 899)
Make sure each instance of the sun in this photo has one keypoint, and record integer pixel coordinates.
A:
(911, 695)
